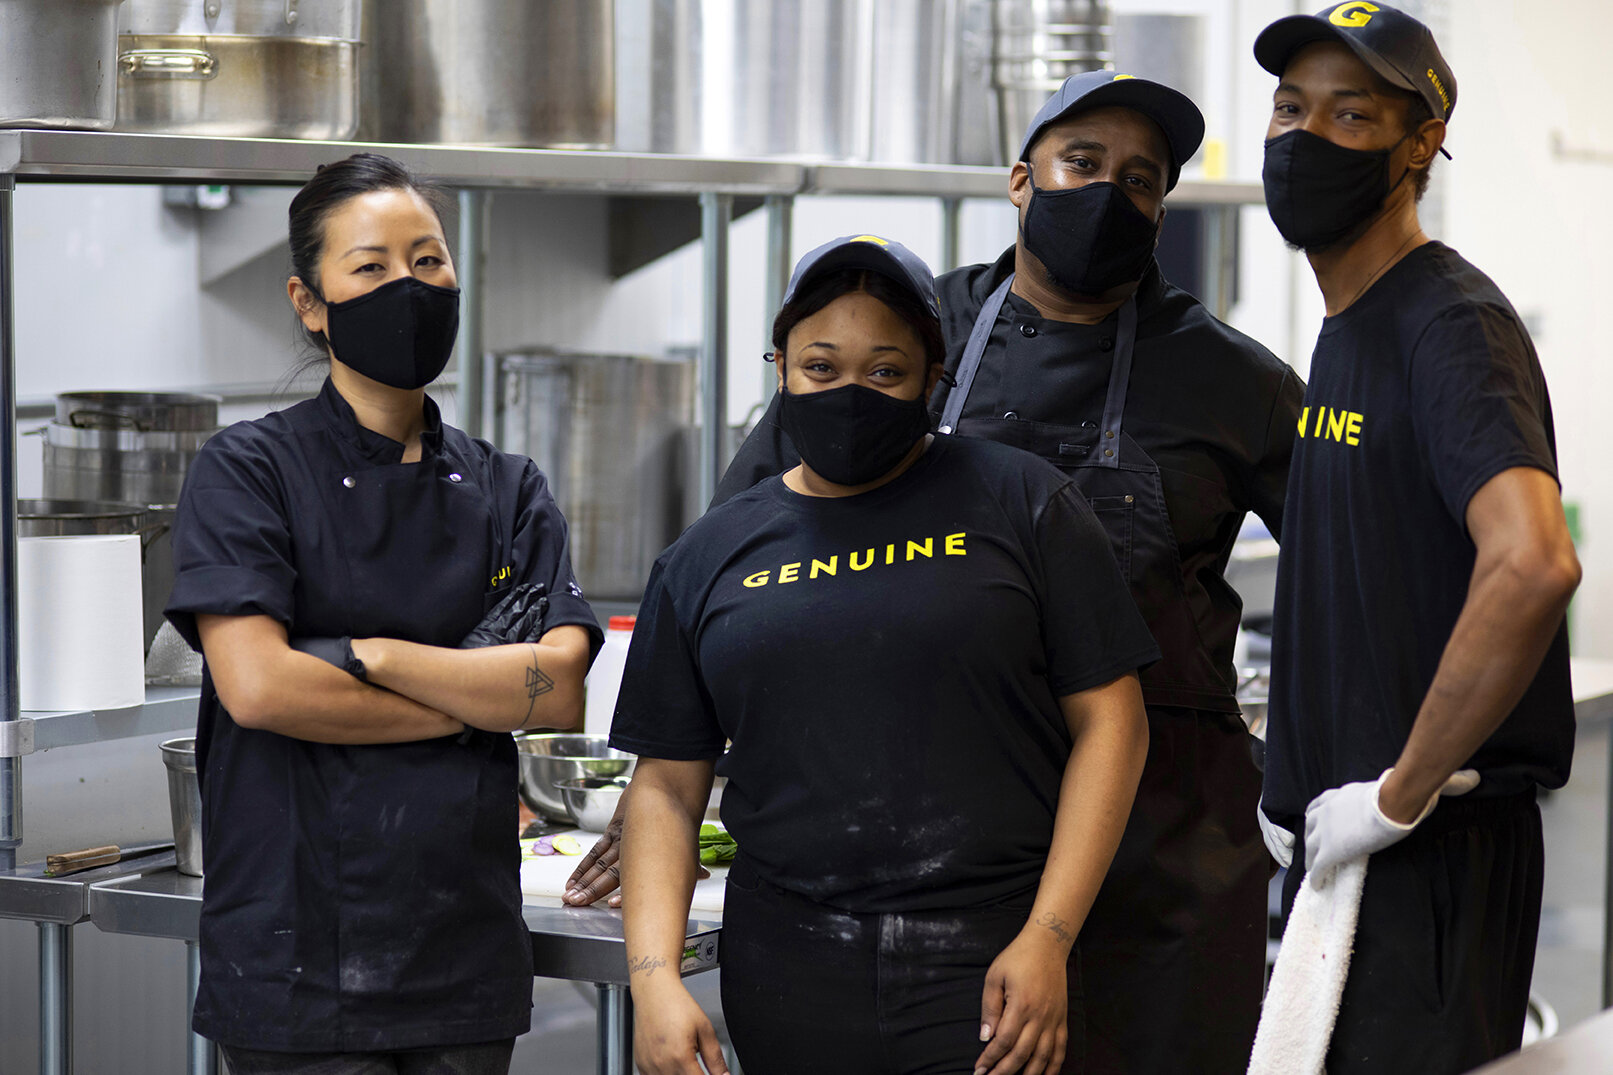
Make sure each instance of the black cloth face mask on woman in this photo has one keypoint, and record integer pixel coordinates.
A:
(853, 434)
(1090, 238)
(400, 334)
(1317, 191)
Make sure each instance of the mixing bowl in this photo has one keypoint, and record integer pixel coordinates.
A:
(548, 758)
(592, 801)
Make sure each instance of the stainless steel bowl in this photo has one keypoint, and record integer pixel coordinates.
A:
(592, 802)
(549, 758)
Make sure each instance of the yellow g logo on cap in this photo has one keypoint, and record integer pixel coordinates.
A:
(876, 240)
(1353, 14)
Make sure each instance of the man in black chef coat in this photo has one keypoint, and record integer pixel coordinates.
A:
(1073, 346)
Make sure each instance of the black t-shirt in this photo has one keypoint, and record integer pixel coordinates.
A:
(1214, 409)
(888, 667)
(1423, 390)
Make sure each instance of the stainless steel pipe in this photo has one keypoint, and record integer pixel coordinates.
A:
(716, 211)
(55, 998)
(10, 691)
(615, 1030)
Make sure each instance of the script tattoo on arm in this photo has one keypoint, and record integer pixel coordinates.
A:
(1057, 925)
(646, 964)
(538, 683)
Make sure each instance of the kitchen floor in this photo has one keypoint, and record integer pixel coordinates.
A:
(1567, 962)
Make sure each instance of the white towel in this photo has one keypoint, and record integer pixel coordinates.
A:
(1302, 1001)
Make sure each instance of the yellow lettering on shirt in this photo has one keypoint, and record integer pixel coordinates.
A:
(1331, 423)
(828, 566)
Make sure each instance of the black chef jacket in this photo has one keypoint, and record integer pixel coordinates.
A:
(1215, 411)
(360, 898)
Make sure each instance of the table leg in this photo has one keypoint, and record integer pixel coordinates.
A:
(55, 998)
(201, 1055)
(615, 1027)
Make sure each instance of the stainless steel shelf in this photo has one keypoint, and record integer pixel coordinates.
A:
(171, 158)
(27, 893)
(90, 155)
(167, 709)
(582, 944)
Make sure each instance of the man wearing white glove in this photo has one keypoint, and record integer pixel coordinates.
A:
(1419, 684)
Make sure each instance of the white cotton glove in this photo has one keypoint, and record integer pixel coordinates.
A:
(1279, 841)
(1346, 822)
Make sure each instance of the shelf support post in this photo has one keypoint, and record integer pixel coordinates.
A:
(471, 259)
(10, 694)
(716, 210)
(780, 225)
(951, 222)
(55, 999)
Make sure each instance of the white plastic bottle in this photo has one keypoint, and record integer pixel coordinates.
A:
(605, 677)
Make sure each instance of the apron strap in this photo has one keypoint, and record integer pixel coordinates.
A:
(969, 365)
(1114, 406)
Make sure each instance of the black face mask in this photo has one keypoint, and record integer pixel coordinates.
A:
(852, 434)
(1090, 238)
(1317, 192)
(400, 334)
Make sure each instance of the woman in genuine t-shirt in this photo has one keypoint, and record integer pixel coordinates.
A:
(925, 659)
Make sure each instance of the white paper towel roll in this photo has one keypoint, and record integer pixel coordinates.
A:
(80, 622)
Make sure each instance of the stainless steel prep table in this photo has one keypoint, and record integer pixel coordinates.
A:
(574, 943)
(57, 904)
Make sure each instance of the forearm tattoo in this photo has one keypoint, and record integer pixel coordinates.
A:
(538, 683)
(646, 964)
(1059, 927)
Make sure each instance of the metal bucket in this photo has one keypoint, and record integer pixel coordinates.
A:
(498, 72)
(58, 62)
(246, 68)
(184, 803)
(914, 99)
(609, 433)
(778, 78)
(1039, 44)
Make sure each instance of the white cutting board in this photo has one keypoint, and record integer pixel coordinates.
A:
(545, 876)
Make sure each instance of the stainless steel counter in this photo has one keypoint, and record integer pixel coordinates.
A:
(28, 894)
(583, 944)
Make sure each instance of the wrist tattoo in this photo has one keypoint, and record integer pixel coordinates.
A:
(538, 682)
(645, 965)
(1057, 926)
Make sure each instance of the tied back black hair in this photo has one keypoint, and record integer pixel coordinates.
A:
(332, 186)
(831, 285)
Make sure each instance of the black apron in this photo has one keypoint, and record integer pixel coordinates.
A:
(368, 897)
(1123, 486)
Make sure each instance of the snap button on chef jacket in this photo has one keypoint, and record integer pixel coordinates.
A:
(361, 897)
(1215, 410)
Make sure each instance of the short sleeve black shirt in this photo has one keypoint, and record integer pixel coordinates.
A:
(888, 667)
(1423, 390)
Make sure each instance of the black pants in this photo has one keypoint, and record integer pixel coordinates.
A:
(1445, 945)
(807, 989)
(487, 1058)
(1173, 955)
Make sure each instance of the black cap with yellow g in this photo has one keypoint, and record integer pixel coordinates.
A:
(1395, 45)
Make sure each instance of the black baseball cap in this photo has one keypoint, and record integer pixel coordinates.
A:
(1171, 110)
(884, 256)
(1395, 45)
